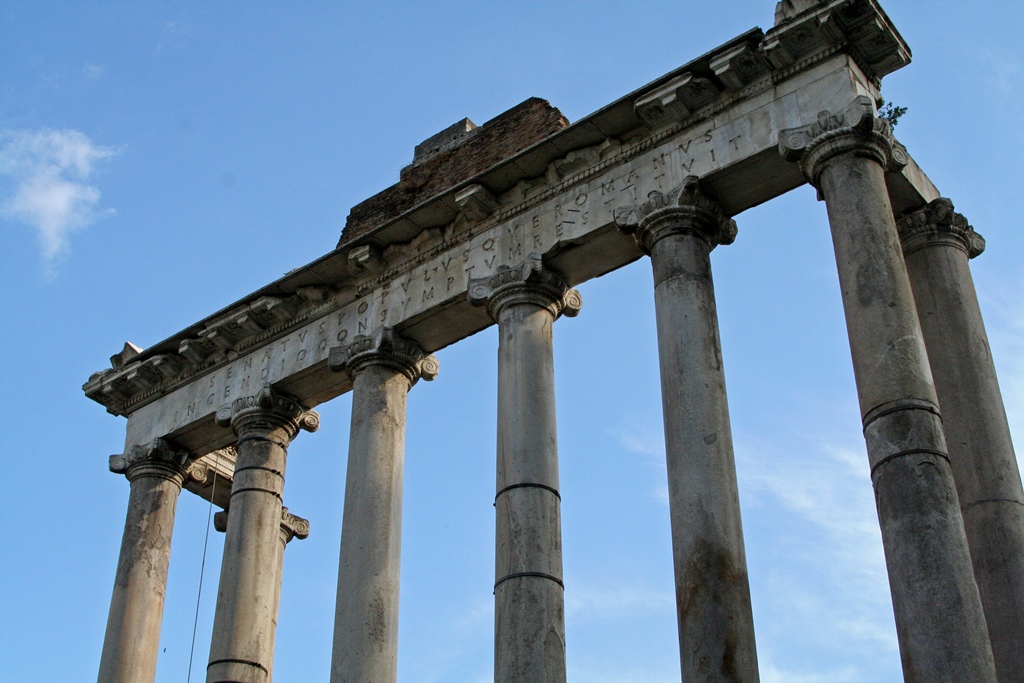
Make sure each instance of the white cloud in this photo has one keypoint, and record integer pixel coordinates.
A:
(649, 443)
(610, 602)
(52, 188)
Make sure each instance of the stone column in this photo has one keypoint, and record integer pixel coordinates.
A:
(529, 638)
(937, 243)
(242, 648)
(383, 369)
(716, 625)
(157, 473)
(291, 527)
(939, 621)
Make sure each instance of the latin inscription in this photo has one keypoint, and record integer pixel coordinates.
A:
(443, 277)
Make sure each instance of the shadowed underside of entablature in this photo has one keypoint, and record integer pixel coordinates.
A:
(478, 198)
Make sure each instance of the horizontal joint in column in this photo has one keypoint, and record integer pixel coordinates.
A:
(535, 575)
(524, 485)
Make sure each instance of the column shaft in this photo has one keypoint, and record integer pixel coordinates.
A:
(939, 621)
(366, 618)
(716, 626)
(529, 613)
(529, 638)
(984, 466)
(383, 368)
(245, 621)
(132, 639)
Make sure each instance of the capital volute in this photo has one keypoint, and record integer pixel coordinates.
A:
(527, 283)
(266, 411)
(684, 210)
(385, 347)
(857, 129)
(155, 459)
(937, 223)
(292, 526)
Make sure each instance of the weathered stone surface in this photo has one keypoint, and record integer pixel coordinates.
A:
(132, 639)
(420, 288)
(716, 625)
(939, 620)
(242, 648)
(383, 367)
(937, 242)
(529, 614)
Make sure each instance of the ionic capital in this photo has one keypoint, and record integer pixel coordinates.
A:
(156, 459)
(682, 211)
(527, 283)
(938, 224)
(267, 411)
(388, 348)
(857, 130)
(292, 526)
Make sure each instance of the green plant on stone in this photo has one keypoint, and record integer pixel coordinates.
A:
(889, 111)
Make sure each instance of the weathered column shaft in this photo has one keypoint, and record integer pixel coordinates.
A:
(937, 243)
(132, 640)
(529, 638)
(939, 620)
(245, 620)
(383, 369)
(716, 625)
(291, 527)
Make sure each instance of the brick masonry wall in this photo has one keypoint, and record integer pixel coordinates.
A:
(500, 138)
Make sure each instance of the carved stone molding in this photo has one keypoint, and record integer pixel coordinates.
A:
(527, 283)
(682, 211)
(156, 459)
(861, 27)
(388, 348)
(292, 526)
(938, 223)
(856, 129)
(266, 411)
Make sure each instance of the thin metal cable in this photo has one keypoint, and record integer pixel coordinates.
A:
(202, 571)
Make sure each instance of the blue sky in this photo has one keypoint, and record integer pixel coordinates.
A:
(161, 160)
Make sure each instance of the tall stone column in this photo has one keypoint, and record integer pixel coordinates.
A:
(242, 648)
(383, 369)
(157, 473)
(937, 243)
(939, 620)
(529, 638)
(292, 526)
(716, 625)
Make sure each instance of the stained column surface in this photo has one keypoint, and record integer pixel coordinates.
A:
(291, 527)
(132, 639)
(937, 243)
(245, 621)
(716, 627)
(383, 368)
(529, 638)
(939, 621)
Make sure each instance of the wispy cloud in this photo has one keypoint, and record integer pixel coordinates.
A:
(827, 567)
(611, 602)
(1006, 336)
(52, 188)
(648, 442)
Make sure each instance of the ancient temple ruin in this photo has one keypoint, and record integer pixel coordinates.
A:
(496, 224)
